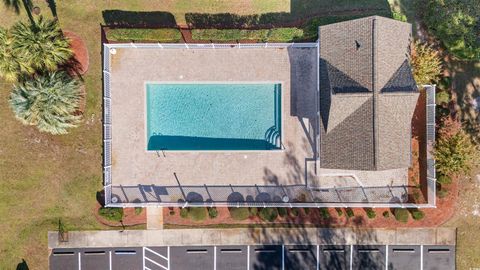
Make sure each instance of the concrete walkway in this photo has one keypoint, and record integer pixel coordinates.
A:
(154, 218)
(255, 236)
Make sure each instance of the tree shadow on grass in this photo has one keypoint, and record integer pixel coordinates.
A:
(139, 19)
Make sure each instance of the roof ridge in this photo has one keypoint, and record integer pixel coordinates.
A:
(374, 92)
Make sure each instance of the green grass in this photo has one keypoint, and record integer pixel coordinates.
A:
(165, 35)
(262, 35)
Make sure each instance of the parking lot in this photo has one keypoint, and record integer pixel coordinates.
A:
(258, 257)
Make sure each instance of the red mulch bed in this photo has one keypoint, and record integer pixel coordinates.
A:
(80, 61)
(129, 217)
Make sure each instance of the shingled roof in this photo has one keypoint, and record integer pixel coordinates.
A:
(367, 94)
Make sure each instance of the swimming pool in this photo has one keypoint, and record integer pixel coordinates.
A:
(213, 116)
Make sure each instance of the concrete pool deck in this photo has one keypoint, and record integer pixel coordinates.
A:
(295, 68)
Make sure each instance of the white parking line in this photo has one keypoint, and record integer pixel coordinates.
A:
(215, 258)
(168, 256)
(156, 253)
(154, 262)
(248, 257)
(318, 257)
(110, 259)
(283, 257)
(143, 256)
(351, 257)
(386, 257)
(79, 260)
(421, 257)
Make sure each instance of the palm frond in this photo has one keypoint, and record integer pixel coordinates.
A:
(48, 102)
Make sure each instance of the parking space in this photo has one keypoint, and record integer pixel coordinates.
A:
(368, 257)
(438, 257)
(257, 257)
(266, 257)
(404, 257)
(185, 258)
(300, 257)
(232, 257)
(334, 257)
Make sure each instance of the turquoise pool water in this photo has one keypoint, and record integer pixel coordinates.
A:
(197, 116)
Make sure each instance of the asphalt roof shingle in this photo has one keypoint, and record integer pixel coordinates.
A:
(367, 94)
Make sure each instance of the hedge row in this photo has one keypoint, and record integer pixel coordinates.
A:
(263, 35)
(166, 35)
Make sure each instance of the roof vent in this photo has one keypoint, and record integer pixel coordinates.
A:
(357, 44)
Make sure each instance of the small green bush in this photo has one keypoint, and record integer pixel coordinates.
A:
(138, 210)
(282, 211)
(253, 211)
(386, 214)
(239, 213)
(184, 212)
(349, 212)
(268, 214)
(401, 214)
(212, 212)
(417, 214)
(442, 193)
(172, 212)
(294, 212)
(443, 179)
(442, 97)
(399, 16)
(339, 211)
(324, 213)
(370, 213)
(197, 213)
(140, 34)
(111, 213)
(306, 210)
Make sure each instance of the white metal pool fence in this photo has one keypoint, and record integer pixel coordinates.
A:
(253, 196)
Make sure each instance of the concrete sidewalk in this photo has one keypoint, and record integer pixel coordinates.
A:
(256, 236)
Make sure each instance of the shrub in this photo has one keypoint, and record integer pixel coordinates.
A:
(253, 211)
(426, 63)
(399, 16)
(442, 97)
(443, 179)
(282, 211)
(349, 212)
(138, 210)
(239, 213)
(268, 214)
(212, 212)
(306, 210)
(111, 213)
(417, 214)
(386, 214)
(184, 212)
(172, 212)
(401, 214)
(197, 213)
(156, 35)
(339, 211)
(294, 212)
(454, 151)
(370, 213)
(324, 213)
(442, 193)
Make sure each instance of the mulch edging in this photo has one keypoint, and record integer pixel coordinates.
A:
(129, 218)
(81, 60)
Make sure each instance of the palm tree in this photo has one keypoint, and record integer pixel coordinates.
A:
(49, 102)
(10, 67)
(15, 4)
(41, 47)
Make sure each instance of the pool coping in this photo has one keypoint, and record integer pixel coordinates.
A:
(145, 112)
